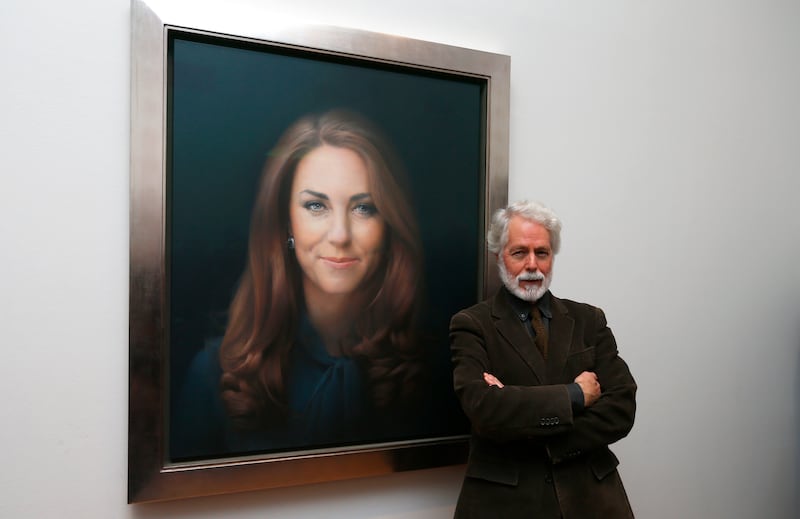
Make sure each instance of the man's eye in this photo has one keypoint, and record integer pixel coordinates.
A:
(517, 254)
(365, 209)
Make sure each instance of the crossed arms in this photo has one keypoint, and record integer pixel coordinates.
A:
(505, 401)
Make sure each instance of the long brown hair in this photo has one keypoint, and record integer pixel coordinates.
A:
(265, 311)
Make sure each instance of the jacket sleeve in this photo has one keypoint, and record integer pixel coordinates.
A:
(515, 412)
(611, 417)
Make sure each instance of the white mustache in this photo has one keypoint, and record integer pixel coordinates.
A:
(530, 276)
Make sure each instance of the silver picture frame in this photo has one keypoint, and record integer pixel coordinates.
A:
(153, 474)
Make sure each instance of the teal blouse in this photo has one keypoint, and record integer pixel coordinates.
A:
(327, 400)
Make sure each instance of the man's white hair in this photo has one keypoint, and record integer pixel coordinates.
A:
(537, 212)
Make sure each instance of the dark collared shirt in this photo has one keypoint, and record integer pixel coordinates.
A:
(523, 311)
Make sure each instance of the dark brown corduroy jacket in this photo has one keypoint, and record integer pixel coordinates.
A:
(529, 455)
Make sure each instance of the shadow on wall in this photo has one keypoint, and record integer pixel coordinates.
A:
(796, 504)
(422, 494)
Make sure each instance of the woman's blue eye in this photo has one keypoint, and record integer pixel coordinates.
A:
(366, 209)
(314, 206)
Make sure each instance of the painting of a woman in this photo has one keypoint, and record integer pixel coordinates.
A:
(321, 346)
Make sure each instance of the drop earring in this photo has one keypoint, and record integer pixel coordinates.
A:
(290, 243)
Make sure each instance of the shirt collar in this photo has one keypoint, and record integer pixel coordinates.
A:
(522, 308)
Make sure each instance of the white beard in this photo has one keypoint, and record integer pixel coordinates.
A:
(531, 294)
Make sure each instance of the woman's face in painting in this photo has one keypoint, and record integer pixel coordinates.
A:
(338, 233)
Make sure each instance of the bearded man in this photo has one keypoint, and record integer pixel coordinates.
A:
(543, 385)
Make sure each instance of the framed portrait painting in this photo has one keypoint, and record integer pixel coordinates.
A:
(308, 209)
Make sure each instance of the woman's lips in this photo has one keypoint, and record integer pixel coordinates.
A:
(339, 262)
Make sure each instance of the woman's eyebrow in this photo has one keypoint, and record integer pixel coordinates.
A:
(315, 194)
(360, 196)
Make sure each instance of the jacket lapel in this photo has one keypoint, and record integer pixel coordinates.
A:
(560, 343)
(513, 331)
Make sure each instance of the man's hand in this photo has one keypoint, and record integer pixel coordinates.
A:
(589, 385)
(492, 380)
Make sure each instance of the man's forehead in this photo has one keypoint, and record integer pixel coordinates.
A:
(522, 231)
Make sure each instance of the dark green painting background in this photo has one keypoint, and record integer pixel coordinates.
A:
(228, 106)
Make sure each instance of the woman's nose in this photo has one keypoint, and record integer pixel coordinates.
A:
(339, 233)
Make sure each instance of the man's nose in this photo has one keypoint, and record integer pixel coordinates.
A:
(531, 264)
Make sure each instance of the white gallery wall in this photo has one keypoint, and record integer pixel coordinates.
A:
(666, 134)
